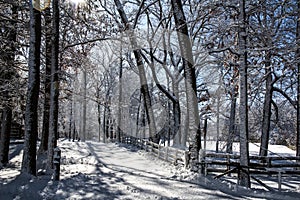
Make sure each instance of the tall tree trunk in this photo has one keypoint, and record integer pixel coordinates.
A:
(31, 114)
(45, 131)
(139, 110)
(190, 80)
(5, 134)
(205, 132)
(9, 72)
(177, 114)
(243, 108)
(98, 112)
(53, 122)
(119, 130)
(267, 109)
(218, 113)
(84, 105)
(231, 132)
(185, 129)
(141, 69)
(298, 77)
(71, 119)
(104, 123)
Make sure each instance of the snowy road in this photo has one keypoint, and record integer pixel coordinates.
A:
(94, 170)
(142, 178)
(122, 173)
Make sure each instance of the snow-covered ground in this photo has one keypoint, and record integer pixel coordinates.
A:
(94, 170)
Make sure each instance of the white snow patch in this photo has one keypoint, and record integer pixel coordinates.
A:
(94, 170)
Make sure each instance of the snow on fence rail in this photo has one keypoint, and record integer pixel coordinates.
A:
(229, 163)
(219, 162)
(223, 163)
(169, 154)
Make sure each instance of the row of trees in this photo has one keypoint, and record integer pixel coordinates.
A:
(17, 54)
(168, 69)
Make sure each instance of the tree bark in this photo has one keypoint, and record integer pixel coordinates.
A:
(141, 70)
(190, 80)
(231, 132)
(31, 114)
(104, 122)
(53, 122)
(98, 112)
(7, 75)
(5, 134)
(263, 151)
(84, 105)
(298, 81)
(45, 131)
(243, 108)
(119, 130)
(177, 115)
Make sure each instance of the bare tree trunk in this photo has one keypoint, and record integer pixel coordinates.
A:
(98, 112)
(53, 122)
(141, 70)
(71, 119)
(84, 133)
(243, 108)
(218, 114)
(5, 134)
(176, 114)
(205, 133)
(8, 72)
(139, 110)
(119, 117)
(298, 79)
(190, 80)
(231, 132)
(31, 114)
(45, 131)
(185, 130)
(267, 109)
(104, 122)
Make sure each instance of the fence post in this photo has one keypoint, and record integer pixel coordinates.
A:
(151, 146)
(269, 165)
(279, 180)
(167, 153)
(202, 161)
(186, 158)
(56, 163)
(158, 153)
(228, 163)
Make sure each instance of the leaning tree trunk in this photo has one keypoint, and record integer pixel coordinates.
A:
(141, 70)
(45, 131)
(53, 123)
(190, 80)
(267, 109)
(31, 114)
(243, 108)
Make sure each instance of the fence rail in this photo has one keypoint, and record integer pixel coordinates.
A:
(169, 154)
(223, 163)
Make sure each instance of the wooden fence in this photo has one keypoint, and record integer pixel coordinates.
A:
(166, 153)
(223, 163)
